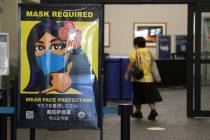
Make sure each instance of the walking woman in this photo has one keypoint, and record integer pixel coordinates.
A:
(144, 89)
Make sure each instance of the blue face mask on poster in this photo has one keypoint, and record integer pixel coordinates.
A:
(50, 62)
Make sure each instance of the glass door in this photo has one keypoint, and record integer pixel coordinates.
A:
(199, 61)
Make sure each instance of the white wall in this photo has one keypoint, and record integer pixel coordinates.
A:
(10, 24)
(1, 16)
(123, 17)
(0, 22)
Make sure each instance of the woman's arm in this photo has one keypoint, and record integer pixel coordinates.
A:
(128, 70)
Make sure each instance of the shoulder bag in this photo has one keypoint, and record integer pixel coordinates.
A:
(137, 71)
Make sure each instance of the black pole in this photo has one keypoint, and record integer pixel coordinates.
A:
(125, 110)
(190, 99)
(3, 117)
(101, 107)
(105, 83)
(121, 78)
(32, 133)
(101, 98)
(13, 94)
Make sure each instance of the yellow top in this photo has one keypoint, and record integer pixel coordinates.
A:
(146, 59)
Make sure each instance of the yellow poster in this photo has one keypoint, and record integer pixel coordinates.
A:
(59, 53)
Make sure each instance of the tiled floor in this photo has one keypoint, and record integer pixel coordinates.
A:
(172, 117)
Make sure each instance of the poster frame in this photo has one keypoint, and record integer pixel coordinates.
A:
(147, 26)
(98, 98)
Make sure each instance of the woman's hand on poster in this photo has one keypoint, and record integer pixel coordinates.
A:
(70, 35)
(60, 81)
(74, 39)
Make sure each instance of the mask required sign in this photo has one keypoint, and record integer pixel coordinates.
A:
(59, 54)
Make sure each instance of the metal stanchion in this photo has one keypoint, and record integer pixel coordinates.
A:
(13, 94)
(3, 117)
(125, 110)
(32, 133)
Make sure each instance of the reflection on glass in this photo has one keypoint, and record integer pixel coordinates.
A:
(205, 86)
(205, 68)
(205, 36)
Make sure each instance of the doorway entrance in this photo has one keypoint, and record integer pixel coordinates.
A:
(199, 60)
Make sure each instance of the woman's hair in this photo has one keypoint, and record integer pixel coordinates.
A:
(139, 42)
(38, 81)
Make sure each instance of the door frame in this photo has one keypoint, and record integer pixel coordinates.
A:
(194, 92)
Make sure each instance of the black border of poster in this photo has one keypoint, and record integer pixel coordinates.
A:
(99, 97)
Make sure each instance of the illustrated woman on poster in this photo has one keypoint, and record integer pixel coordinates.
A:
(55, 57)
(58, 63)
